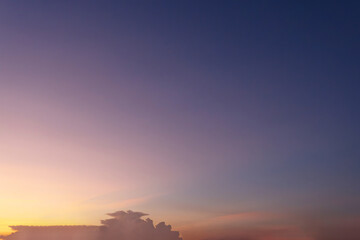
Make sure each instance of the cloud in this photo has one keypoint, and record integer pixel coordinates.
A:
(253, 225)
(285, 232)
(336, 228)
(122, 225)
(116, 204)
(236, 218)
(129, 225)
(132, 225)
(267, 226)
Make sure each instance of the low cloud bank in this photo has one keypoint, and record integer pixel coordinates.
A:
(123, 225)
(267, 226)
(245, 226)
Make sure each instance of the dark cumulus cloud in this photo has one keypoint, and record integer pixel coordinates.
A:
(122, 225)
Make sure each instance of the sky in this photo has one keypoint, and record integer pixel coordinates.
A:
(228, 119)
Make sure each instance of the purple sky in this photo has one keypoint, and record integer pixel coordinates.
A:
(209, 114)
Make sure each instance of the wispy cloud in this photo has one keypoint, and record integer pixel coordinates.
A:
(131, 202)
(119, 200)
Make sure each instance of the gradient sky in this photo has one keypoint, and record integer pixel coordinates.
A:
(212, 115)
